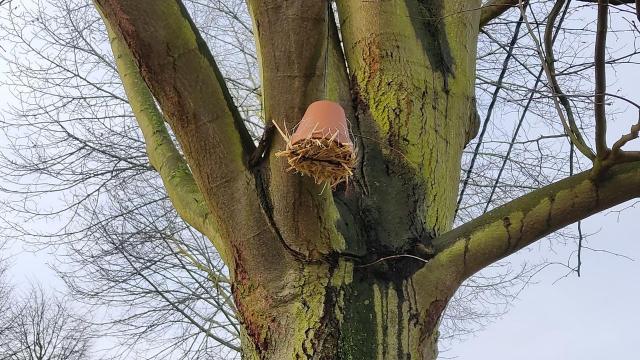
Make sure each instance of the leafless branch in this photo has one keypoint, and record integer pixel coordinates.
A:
(602, 150)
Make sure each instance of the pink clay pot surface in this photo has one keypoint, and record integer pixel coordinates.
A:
(322, 120)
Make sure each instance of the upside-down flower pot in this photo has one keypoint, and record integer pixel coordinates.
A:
(321, 146)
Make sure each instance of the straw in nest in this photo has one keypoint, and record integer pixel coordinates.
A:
(324, 159)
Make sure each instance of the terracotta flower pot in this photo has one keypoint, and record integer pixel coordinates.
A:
(321, 146)
(323, 120)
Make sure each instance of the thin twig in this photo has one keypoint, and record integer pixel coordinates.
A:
(523, 115)
(568, 122)
(391, 257)
(485, 125)
(580, 238)
(633, 134)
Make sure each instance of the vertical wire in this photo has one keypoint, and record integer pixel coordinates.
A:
(326, 50)
(580, 236)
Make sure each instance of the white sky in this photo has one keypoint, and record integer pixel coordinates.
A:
(592, 317)
(595, 316)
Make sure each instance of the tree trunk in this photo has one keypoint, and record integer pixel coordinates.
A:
(410, 100)
(347, 313)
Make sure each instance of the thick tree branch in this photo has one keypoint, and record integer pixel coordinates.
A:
(292, 39)
(602, 150)
(511, 227)
(495, 8)
(399, 54)
(163, 154)
(182, 74)
(180, 71)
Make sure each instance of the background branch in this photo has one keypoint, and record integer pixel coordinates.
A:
(602, 151)
(568, 121)
(495, 8)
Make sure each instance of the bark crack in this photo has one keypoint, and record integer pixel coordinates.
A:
(266, 206)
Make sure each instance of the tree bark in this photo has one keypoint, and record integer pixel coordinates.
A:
(354, 314)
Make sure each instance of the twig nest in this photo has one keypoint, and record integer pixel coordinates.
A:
(321, 146)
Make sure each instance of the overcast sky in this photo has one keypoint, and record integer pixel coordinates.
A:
(595, 316)
(592, 317)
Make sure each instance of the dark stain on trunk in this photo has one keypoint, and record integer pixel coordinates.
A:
(428, 20)
(358, 338)
(325, 337)
(383, 210)
(240, 289)
(429, 331)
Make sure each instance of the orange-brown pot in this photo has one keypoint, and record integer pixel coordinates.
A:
(323, 119)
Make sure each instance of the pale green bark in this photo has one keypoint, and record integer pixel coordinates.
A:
(292, 65)
(511, 227)
(415, 91)
(162, 152)
(183, 77)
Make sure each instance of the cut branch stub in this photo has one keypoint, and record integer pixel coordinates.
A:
(321, 146)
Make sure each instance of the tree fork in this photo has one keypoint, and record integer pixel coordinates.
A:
(364, 272)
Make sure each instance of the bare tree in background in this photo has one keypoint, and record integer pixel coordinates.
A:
(166, 289)
(74, 134)
(5, 294)
(41, 327)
